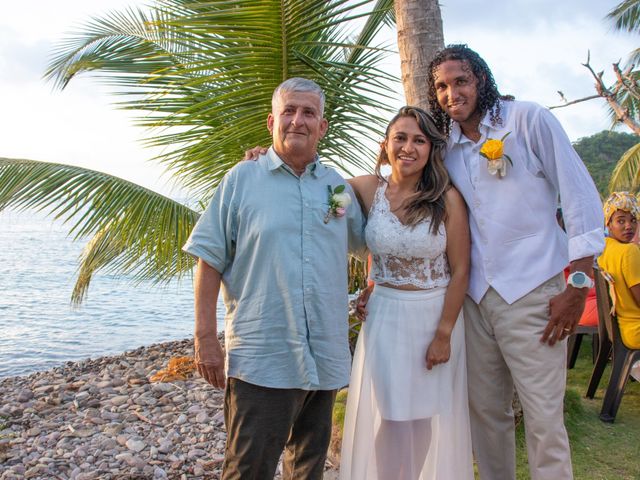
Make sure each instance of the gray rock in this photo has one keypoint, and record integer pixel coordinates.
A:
(218, 418)
(111, 416)
(113, 429)
(87, 475)
(196, 452)
(125, 457)
(82, 396)
(165, 447)
(118, 400)
(198, 471)
(136, 445)
(75, 472)
(117, 382)
(159, 473)
(44, 389)
(107, 444)
(193, 409)
(162, 388)
(202, 417)
(24, 395)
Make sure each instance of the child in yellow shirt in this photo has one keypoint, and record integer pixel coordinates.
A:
(621, 260)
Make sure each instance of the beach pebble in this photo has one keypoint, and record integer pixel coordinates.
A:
(218, 418)
(87, 475)
(162, 388)
(196, 453)
(24, 395)
(159, 473)
(118, 400)
(165, 447)
(182, 418)
(136, 445)
(202, 417)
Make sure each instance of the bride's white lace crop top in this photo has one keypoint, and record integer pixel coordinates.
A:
(404, 255)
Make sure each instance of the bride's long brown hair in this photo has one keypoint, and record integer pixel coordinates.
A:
(428, 201)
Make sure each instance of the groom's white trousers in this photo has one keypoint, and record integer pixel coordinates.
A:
(503, 349)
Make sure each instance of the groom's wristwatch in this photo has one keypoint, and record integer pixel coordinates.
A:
(579, 280)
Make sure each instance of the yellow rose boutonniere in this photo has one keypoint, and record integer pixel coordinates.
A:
(493, 150)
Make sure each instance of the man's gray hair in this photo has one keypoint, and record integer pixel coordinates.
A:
(298, 84)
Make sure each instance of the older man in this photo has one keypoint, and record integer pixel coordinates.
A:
(511, 161)
(276, 235)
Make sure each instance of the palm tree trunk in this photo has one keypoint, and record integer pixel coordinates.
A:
(419, 25)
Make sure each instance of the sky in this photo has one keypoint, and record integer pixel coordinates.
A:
(534, 48)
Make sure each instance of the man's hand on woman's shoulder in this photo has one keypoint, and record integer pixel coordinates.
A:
(253, 153)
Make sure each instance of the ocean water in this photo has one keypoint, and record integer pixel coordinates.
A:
(39, 328)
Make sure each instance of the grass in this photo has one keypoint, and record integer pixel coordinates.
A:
(600, 451)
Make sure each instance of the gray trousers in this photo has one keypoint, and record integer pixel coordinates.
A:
(262, 421)
(503, 349)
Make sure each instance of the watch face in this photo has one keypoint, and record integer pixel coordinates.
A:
(579, 278)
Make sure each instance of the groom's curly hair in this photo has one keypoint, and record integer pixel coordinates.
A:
(488, 94)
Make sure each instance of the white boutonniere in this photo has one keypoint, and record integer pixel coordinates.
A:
(493, 150)
(339, 200)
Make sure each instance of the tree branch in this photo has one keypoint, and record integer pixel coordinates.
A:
(573, 102)
(626, 80)
(610, 94)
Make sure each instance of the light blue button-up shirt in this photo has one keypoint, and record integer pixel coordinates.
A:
(284, 272)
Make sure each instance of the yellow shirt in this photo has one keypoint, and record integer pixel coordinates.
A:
(622, 262)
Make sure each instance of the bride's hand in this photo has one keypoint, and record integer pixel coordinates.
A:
(254, 153)
(438, 352)
(361, 303)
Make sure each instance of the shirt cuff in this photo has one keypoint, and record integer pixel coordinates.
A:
(586, 245)
(199, 252)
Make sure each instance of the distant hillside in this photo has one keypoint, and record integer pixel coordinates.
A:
(601, 152)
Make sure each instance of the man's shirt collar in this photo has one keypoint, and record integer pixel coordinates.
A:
(317, 169)
(485, 126)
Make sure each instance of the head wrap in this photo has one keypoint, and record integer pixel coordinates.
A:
(624, 201)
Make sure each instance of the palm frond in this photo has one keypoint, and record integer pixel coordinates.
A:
(202, 73)
(130, 36)
(136, 231)
(634, 57)
(626, 174)
(626, 16)
(98, 252)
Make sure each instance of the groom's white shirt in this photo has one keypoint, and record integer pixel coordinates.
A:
(516, 242)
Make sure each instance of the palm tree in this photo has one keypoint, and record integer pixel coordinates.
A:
(420, 36)
(626, 174)
(201, 73)
(626, 17)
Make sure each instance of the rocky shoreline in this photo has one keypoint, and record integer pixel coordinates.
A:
(104, 419)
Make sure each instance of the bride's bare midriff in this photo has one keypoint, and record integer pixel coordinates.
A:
(401, 287)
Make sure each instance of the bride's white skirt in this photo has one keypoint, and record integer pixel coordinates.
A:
(404, 422)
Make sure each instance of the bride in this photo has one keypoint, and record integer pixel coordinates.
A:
(407, 416)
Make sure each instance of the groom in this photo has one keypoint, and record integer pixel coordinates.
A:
(519, 310)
